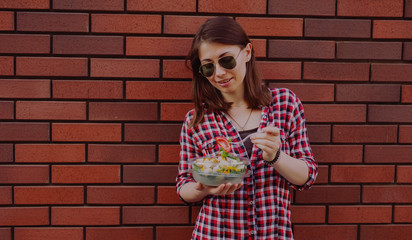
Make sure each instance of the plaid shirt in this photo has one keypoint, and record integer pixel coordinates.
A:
(261, 208)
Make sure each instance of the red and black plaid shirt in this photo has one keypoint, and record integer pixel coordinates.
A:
(261, 208)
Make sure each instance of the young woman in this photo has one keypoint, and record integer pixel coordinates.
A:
(231, 101)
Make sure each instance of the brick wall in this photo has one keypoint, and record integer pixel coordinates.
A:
(93, 94)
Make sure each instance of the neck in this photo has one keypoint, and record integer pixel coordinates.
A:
(238, 99)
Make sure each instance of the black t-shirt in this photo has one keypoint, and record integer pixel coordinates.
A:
(248, 144)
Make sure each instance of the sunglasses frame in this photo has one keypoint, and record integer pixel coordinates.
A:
(214, 66)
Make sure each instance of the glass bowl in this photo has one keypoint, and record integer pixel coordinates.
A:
(215, 170)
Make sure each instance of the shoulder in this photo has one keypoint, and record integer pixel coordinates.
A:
(283, 95)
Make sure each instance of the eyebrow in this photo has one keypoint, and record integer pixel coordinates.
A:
(221, 55)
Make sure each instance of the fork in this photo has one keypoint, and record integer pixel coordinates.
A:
(250, 135)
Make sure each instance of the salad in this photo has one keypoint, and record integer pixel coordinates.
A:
(223, 168)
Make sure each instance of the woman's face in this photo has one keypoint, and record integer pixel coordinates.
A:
(227, 81)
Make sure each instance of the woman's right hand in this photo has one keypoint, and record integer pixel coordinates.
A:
(222, 189)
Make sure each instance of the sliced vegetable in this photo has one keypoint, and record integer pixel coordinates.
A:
(224, 144)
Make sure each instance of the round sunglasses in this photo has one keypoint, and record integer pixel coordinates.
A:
(228, 62)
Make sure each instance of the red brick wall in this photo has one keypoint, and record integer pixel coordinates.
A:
(93, 93)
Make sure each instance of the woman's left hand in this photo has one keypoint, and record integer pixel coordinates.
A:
(268, 141)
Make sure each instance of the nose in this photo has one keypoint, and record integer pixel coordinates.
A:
(219, 70)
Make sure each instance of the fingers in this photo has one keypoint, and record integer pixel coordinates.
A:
(224, 189)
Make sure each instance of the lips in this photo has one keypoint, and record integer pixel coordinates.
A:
(225, 82)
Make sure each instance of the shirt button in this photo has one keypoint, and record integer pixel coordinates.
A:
(264, 116)
(253, 233)
(251, 203)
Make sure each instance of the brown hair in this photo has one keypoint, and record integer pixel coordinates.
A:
(223, 30)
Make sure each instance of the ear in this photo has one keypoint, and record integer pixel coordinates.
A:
(248, 49)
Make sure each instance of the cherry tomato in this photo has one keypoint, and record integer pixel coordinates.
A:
(224, 143)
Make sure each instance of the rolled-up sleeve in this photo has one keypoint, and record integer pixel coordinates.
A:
(187, 151)
(299, 142)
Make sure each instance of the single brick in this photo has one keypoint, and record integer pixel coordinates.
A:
(22, 131)
(149, 174)
(85, 216)
(388, 154)
(360, 214)
(281, 27)
(174, 233)
(6, 110)
(336, 71)
(125, 111)
(364, 133)
(393, 114)
(24, 174)
(25, 43)
(319, 133)
(152, 132)
(392, 29)
(6, 153)
(124, 233)
(155, 215)
(407, 51)
(183, 24)
(93, 5)
(25, 4)
(330, 194)
(386, 194)
(6, 66)
(384, 232)
(85, 174)
(48, 195)
(121, 153)
(335, 113)
(302, 49)
(368, 92)
(169, 153)
(159, 46)
(103, 132)
(405, 134)
(403, 214)
(176, 69)
(126, 23)
(338, 153)
(162, 5)
(365, 8)
(232, 6)
(51, 66)
(48, 233)
(369, 50)
(174, 111)
(16, 88)
(280, 70)
(167, 195)
(404, 174)
(308, 214)
(55, 110)
(326, 232)
(84, 89)
(408, 8)
(337, 28)
(52, 22)
(406, 94)
(391, 72)
(44, 153)
(158, 90)
(109, 195)
(6, 196)
(302, 7)
(130, 68)
(362, 174)
(88, 45)
(6, 21)
(309, 92)
(24, 216)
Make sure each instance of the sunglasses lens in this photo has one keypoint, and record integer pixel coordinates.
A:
(207, 69)
(228, 62)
